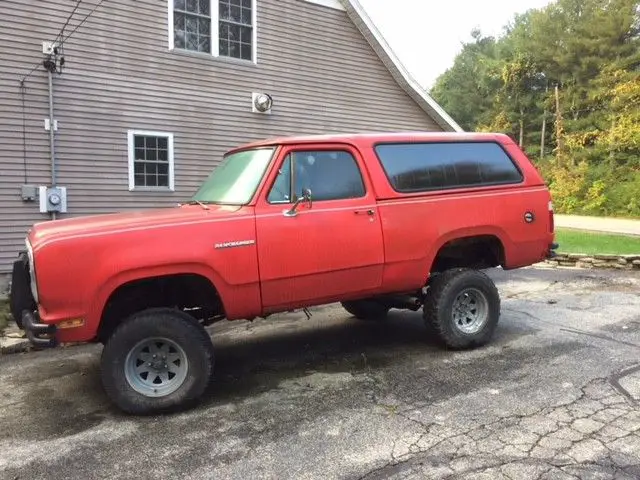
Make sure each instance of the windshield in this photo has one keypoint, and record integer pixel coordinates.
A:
(236, 179)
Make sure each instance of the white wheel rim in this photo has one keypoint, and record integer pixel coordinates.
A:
(156, 367)
(470, 311)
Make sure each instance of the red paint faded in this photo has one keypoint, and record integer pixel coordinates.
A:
(336, 250)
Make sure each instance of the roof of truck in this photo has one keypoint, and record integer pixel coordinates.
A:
(368, 139)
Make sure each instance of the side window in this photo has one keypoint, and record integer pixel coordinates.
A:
(414, 167)
(330, 175)
(281, 189)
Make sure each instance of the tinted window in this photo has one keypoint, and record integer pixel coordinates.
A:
(429, 166)
(330, 175)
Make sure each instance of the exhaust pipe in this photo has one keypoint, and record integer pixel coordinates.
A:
(403, 302)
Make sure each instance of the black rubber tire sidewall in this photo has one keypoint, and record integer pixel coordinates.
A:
(366, 309)
(438, 307)
(171, 324)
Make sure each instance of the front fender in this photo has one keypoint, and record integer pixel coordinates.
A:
(106, 289)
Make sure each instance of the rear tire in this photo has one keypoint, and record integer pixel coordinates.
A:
(158, 360)
(366, 309)
(462, 308)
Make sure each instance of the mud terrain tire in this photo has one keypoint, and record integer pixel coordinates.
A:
(462, 308)
(158, 360)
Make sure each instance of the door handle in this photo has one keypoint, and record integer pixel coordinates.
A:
(369, 212)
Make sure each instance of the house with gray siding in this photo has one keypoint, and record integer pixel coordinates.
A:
(151, 93)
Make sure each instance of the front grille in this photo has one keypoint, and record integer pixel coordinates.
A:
(21, 298)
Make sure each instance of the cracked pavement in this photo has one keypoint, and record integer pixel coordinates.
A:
(556, 395)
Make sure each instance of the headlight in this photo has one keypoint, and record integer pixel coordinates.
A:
(32, 271)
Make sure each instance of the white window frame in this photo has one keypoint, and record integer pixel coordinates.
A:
(215, 33)
(131, 155)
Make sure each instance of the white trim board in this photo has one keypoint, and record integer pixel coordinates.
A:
(335, 4)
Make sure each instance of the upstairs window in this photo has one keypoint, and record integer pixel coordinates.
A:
(236, 31)
(192, 25)
(224, 28)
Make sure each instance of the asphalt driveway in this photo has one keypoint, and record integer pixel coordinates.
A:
(556, 395)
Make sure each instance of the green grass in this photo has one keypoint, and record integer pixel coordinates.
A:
(575, 241)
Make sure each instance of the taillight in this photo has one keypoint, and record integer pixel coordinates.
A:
(551, 221)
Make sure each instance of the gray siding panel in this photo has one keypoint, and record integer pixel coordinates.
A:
(120, 75)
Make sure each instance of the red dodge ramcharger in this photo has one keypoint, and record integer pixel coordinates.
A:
(375, 222)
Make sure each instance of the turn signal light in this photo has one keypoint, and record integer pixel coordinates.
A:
(75, 323)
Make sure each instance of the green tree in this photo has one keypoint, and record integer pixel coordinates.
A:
(465, 91)
(563, 81)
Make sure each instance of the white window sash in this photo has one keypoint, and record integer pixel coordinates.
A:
(215, 30)
(170, 25)
(254, 31)
(131, 160)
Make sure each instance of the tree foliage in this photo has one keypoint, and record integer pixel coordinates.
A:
(564, 82)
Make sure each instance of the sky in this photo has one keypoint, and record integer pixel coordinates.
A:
(426, 35)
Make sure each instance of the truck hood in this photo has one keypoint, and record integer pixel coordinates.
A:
(95, 225)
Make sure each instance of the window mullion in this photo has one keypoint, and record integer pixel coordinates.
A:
(238, 24)
(186, 12)
(214, 8)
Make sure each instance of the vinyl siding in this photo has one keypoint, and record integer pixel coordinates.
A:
(120, 75)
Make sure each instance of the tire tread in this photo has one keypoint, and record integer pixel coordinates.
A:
(436, 319)
(131, 401)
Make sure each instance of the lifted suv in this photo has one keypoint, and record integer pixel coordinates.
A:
(375, 222)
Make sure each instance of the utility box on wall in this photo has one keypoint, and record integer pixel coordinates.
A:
(29, 193)
(53, 199)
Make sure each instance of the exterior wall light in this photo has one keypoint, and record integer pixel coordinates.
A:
(262, 103)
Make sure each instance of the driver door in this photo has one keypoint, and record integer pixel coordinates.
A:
(328, 247)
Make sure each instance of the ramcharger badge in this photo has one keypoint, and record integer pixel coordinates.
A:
(239, 243)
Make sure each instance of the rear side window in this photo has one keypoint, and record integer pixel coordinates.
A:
(414, 167)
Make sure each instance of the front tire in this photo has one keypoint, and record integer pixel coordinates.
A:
(158, 360)
(462, 308)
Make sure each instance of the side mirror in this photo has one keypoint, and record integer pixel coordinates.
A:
(305, 197)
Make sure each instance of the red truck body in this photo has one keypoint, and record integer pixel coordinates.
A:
(402, 220)
(336, 250)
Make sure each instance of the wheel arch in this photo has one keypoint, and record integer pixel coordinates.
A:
(468, 240)
(122, 280)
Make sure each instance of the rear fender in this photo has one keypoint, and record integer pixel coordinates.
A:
(476, 231)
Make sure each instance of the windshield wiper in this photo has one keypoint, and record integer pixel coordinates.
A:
(193, 202)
